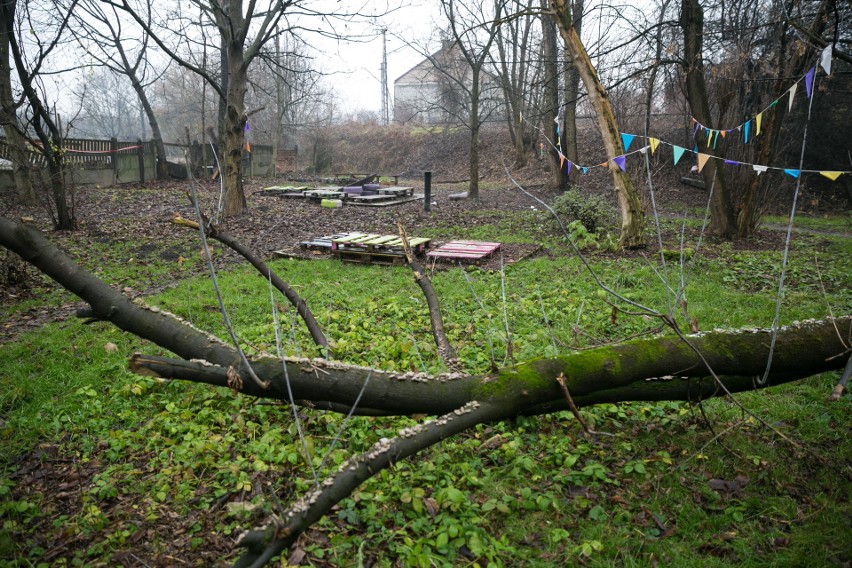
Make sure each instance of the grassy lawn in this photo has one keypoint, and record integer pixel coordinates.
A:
(130, 466)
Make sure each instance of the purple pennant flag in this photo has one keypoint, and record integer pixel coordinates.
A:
(621, 162)
(809, 80)
(732, 162)
(247, 126)
(567, 167)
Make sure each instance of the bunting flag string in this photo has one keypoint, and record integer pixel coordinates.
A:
(678, 152)
(824, 61)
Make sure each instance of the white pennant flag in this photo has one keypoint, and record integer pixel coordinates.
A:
(825, 59)
(792, 96)
(760, 169)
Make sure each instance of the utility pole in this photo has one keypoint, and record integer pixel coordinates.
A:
(385, 97)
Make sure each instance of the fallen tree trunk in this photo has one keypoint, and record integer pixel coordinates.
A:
(671, 367)
(657, 368)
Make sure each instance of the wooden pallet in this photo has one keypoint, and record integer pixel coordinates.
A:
(322, 243)
(371, 247)
(464, 250)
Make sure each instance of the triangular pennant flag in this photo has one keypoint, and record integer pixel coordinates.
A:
(709, 138)
(627, 139)
(732, 162)
(643, 150)
(745, 130)
(602, 165)
(760, 169)
(248, 147)
(702, 160)
(568, 167)
(247, 126)
(832, 175)
(791, 172)
(561, 160)
(585, 170)
(621, 162)
(678, 152)
(654, 143)
(773, 103)
(723, 133)
(825, 59)
(809, 80)
(757, 120)
(792, 96)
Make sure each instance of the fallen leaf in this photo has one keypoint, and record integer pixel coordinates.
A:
(111, 347)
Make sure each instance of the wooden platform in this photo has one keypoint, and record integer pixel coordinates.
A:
(464, 250)
(374, 248)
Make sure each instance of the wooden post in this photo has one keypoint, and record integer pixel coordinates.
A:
(113, 147)
(141, 153)
(427, 190)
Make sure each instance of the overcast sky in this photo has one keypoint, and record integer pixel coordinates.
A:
(358, 64)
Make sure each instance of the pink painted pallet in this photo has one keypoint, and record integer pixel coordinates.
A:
(467, 250)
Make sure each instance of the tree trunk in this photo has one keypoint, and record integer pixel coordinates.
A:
(659, 368)
(15, 140)
(570, 98)
(721, 209)
(162, 164)
(632, 215)
(473, 191)
(750, 210)
(558, 179)
(234, 136)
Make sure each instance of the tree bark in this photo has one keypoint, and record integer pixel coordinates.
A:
(571, 97)
(723, 223)
(473, 189)
(632, 215)
(19, 155)
(558, 179)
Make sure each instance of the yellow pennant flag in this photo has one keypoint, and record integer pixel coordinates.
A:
(832, 175)
(654, 143)
(710, 137)
(757, 120)
(702, 159)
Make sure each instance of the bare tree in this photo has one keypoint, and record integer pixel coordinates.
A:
(243, 28)
(692, 23)
(632, 215)
(16, 142)
(106, 38)
(472, 30)
(519, 72)
(29, 59)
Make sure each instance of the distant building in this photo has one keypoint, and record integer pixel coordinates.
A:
(429, 92)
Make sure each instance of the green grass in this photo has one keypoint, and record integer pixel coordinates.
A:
(165, 470)
(828, 223)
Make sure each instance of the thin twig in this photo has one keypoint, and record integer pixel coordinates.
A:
(589, 432)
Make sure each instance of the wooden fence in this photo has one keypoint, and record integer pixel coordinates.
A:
(110, 162)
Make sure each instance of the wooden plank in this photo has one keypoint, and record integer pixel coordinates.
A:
(454, 254)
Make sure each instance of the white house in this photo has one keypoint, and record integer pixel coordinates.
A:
(429, 92)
